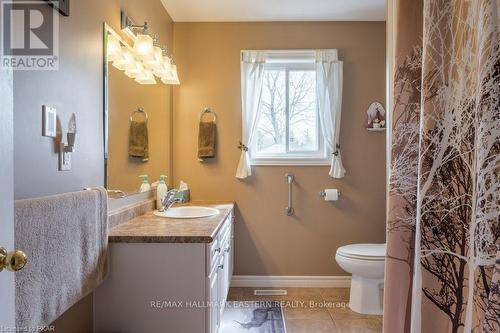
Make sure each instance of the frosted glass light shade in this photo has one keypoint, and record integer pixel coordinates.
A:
(146, 77)
(157, 55)
(164, 69)
(172, 78)
(113, 48)
(155, 63)
(127, 59)
(134, 70)
(143, 47)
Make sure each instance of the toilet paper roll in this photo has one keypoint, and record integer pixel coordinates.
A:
(332, 194)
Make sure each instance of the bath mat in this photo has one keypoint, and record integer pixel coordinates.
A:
(252, 317)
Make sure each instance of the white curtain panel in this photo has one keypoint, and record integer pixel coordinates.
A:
(329, 95)
(252, 74)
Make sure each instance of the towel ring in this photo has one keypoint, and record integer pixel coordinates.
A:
(206, 111)
(139, 110)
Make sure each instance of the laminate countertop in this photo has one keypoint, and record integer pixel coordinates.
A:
(149, 228)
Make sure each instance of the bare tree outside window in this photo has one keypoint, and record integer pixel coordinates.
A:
(297, 90)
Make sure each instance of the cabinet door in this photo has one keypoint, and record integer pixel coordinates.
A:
(227, 268)
(231, 256)
(221, 278)
(214, 314)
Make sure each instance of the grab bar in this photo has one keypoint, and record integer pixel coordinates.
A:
(289, 179)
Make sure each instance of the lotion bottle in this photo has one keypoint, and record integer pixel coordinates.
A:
(145, 184)
(161, 191)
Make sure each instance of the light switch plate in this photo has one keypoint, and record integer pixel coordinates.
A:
(49, 119)
(64, 159)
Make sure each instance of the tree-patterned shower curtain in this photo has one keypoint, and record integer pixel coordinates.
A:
(443, 230)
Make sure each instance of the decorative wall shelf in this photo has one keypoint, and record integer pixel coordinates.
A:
(382, 129)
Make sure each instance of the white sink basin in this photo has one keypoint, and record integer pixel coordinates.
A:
(187, 212)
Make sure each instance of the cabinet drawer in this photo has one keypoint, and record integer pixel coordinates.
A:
(225, 229)
(213, 252)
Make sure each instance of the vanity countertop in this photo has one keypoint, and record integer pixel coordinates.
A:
(149, 228)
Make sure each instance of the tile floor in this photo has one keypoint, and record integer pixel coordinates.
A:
(316, 310)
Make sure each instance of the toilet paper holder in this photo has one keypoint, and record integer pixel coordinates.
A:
(322, 193)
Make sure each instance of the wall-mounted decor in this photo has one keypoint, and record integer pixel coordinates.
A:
(375, 117)
(62, 6)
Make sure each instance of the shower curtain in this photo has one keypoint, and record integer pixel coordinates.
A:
(443, 229)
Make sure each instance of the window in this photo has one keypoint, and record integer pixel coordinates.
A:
(288, 130)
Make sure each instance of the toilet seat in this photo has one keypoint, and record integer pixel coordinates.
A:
(372, 252)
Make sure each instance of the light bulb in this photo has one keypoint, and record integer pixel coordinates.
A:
(113, 48)
(143, 47)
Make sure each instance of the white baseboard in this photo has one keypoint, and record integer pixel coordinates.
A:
(291, 281)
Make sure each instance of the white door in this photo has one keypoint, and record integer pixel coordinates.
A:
(7, 287)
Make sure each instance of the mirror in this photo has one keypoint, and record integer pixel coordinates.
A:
(137, 120)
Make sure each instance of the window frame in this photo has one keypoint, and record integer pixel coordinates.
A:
(321, 156)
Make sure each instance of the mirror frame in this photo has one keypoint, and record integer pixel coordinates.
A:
(105, 31)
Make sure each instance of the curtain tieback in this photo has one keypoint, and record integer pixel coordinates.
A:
(242, 147)
(336, 152)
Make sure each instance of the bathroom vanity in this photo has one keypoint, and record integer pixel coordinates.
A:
(167, 274)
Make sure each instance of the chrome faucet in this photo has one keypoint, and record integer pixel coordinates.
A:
(169, 200)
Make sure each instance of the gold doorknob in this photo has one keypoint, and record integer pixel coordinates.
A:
(12, 261)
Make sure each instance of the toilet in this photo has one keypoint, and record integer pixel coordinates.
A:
(366, 264)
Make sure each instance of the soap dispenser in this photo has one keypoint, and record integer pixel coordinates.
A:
(161, 191)
(145, 184)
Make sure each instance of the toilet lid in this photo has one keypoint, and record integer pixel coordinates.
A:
(363, 251)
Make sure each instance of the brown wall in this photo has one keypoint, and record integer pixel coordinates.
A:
(75, 87)
(267, 241)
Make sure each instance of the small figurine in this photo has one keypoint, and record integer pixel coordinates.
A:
(376, 116)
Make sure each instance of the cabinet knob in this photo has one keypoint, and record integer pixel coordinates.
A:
(217, 249)
(221, 266)
(228, 249)
(13, 261)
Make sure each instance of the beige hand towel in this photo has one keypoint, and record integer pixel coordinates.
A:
(206, 140)
(138, 140)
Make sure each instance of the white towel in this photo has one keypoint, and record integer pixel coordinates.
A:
(65, 238)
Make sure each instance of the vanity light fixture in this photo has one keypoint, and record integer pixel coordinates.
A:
(145, 59)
